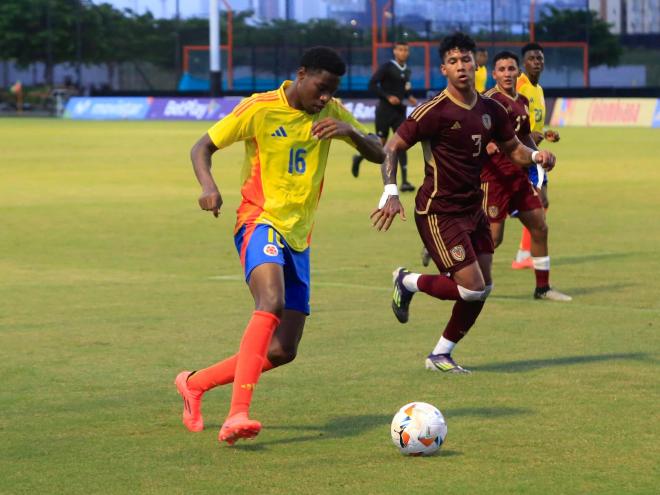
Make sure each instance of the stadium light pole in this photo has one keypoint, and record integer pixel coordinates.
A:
(532, 22)
(214, 48)
(79, 44)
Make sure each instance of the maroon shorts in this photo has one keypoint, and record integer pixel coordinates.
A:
(508, 194)
(454, 241)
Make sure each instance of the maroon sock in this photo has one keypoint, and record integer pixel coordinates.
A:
(440, 286)
(542, 278)
(463, 316)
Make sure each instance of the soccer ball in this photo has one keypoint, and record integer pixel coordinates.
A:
(418, 428)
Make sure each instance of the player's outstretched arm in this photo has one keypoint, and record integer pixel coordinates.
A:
(537, 137)
(200, 154)
(389, 205)
(522, 155)
(368, 145)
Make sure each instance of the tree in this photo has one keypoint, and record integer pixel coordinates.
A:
(38, 31)
(581, 25)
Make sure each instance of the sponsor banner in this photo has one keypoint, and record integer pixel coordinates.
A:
(656, 115)
(603, 112)
(107, 108)
(364, 110)
(177, 108)
(192, 108)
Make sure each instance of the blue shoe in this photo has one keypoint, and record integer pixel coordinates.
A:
(444, 363)
(402, 296)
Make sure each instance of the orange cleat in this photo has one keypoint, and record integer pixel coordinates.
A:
(238, 426)
(192, 403)
(522, 265)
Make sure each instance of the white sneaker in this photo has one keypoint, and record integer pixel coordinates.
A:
(551, 295)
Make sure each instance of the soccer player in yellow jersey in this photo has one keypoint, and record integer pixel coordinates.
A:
(528, 86)
(287, 134)
(481, 73)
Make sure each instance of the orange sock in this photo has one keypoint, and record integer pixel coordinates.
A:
(525, 240)
(250, 360)
(220, 373)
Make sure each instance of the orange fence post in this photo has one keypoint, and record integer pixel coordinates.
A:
(230, 45)
(383, 27)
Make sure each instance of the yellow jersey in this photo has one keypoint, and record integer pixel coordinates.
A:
(480, 79)
(284, 165)
(534, 93)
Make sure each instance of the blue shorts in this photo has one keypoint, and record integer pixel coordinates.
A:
(533, 174)
(258, 244)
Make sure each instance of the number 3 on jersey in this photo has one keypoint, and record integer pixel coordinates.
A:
(297, 163)
(477, 142)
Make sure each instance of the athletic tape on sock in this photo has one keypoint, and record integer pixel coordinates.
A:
(541, 262)
(470, 295)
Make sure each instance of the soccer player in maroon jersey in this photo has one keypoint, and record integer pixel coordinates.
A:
(454, 129)
(506, 187)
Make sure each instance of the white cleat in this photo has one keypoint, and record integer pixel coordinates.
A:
(552, 295)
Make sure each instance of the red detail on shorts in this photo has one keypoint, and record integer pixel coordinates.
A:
(249, 230)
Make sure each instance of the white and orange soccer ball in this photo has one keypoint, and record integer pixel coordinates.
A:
(418, 428)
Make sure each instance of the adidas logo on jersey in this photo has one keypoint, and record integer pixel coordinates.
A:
(456, 126)
(280, 132)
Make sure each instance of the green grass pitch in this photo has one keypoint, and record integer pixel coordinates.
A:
(112, 280)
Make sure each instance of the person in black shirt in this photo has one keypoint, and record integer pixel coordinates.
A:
(391, 82)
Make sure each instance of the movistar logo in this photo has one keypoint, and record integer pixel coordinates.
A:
(280, 132)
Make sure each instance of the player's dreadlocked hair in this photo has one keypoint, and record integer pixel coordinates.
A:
(457, 40)
(529, 47)
(323, 58)
(505, 55)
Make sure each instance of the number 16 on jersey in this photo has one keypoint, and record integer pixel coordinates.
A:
(297, 163)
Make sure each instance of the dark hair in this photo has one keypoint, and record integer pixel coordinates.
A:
(457, 40)
(401, 42)
(505, 55)
(529, 47)
(323, 58)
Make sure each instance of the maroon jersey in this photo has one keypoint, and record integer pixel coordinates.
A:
(454, 137)
(518, 109)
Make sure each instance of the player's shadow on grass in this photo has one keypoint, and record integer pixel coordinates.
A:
(573, 291)
(486, 412)
(339, 427)
(595, 257)
(533, 364)
(580, 291)
(350, 426)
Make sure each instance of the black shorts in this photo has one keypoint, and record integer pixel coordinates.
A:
(388, 117)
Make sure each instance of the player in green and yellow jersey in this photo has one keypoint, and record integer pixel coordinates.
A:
(528, 86)
(287, 134)
(481, 73)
